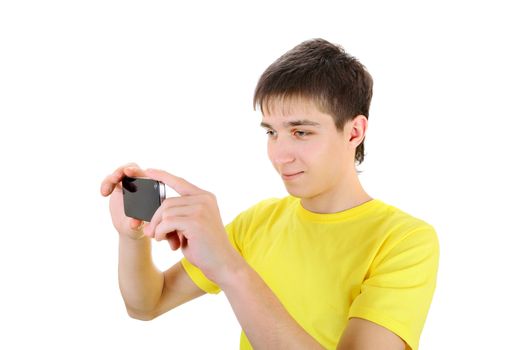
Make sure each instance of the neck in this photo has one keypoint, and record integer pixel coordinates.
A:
(346, 194)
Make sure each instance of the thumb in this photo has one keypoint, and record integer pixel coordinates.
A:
(136, 224)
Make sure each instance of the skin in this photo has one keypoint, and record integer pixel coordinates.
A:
(328, 183)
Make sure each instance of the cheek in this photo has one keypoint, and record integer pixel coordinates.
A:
(270, 152)
(325, 159)
(316, 153)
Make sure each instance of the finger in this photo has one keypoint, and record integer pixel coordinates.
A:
(173, 240)
(146, 229)
(149, 229)
(180, 185)
(108, 184)
(134, 171)
(171, 207)
(118, 174)
(177, 211)
(182, 240)
(136, 224)
(167, 226)
(183, 201)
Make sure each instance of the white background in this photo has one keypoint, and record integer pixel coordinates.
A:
(86, 86)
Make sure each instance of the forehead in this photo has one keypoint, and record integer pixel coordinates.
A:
(293, 107)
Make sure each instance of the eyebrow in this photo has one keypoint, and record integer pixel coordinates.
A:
(290, 123)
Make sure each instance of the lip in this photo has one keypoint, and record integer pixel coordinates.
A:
(292, 175)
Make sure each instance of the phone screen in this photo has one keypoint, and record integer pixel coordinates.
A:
(142, 197)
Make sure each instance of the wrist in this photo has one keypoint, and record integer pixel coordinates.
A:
(135, 235)
(232, 269)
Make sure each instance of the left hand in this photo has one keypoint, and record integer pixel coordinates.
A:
(195, 218)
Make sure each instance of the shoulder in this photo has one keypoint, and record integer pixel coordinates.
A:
(403, 233)
(409, 250)
(400, 225)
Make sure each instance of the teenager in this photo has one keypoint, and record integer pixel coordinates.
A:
(327, 266)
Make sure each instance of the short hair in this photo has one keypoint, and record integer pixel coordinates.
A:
(317, 70)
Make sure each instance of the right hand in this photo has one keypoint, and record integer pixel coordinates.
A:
(112, 186)
(130, 227)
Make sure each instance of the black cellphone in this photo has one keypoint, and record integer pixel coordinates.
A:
(142, 197)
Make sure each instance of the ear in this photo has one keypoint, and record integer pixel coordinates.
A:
(355, 130)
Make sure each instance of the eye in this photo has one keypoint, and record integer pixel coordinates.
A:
(270, 132)
(301, 133)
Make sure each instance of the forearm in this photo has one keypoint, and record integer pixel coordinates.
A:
(140, 282)
(263, 318)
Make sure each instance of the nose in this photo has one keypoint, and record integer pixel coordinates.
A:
(281, 151)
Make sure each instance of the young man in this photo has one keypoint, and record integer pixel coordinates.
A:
(327, 266)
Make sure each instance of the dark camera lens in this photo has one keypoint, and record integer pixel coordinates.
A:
(128, 184)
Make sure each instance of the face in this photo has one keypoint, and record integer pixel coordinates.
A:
(312, 157)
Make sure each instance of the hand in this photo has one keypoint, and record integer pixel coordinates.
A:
(112, 185)
(195, 219)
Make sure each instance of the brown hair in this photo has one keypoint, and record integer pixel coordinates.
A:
(324, 73)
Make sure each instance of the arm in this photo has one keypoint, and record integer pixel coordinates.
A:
(196, 219)
(361, 334)
(140, 282)
(148, 292)
(268, 325)
(204, 243)
(263, 318)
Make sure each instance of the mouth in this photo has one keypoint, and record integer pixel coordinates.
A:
(291, 176)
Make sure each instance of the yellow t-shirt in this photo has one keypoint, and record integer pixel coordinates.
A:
(372, 261)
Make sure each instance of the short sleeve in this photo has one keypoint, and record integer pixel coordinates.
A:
(198, 277)
(398, 290)
(237, 231)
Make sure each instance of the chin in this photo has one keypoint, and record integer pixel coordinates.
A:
(293, 191)
(298, 192)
